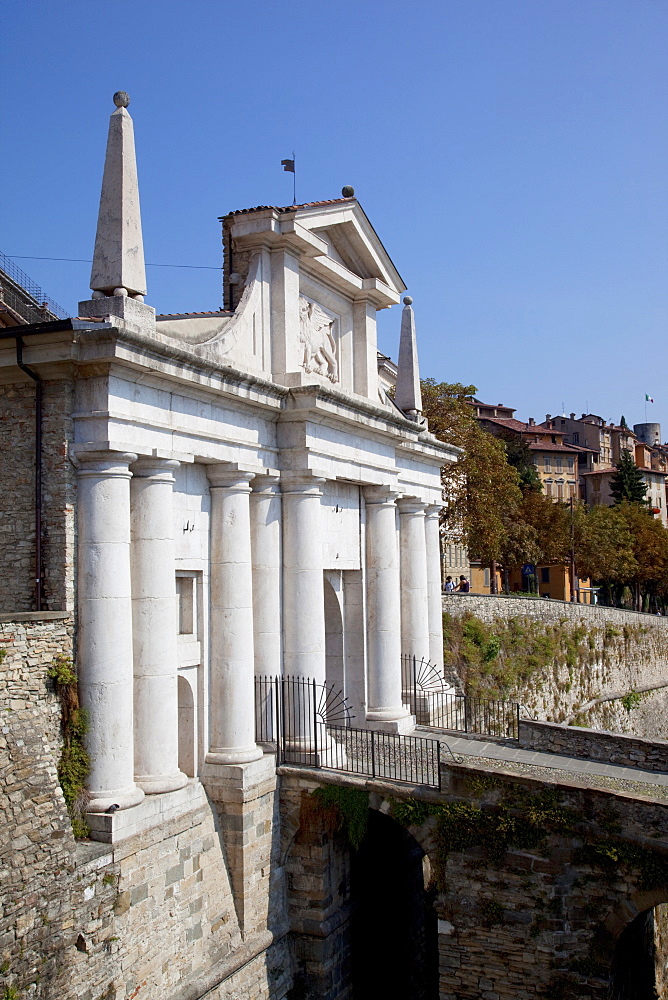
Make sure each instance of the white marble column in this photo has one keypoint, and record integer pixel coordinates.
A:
(154, 626)
(105, 626)
(414, 590)
(303, 590)
(265, 516)
(383, 598)
(434, 601)
(231, 689)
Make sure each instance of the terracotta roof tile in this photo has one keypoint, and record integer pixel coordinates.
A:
(288, 208)
(210, 312)
(552, 446)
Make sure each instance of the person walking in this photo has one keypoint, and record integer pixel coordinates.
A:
(463, 587)
(449, 585)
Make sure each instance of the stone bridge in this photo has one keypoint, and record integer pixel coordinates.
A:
(511, 882)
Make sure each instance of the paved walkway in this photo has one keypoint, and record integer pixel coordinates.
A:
(509, 752)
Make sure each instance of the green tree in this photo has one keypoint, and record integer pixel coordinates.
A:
(628, 483)
(481, 491)
(520, 456)
(604, 548)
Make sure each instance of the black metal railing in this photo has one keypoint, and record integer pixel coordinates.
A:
(435, 704)
(308, 724)
(41, 308)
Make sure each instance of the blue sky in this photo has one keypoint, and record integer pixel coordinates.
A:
(510, 153)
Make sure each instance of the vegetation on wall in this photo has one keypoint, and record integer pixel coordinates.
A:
(500, 660)
(74, 764)
(339, 809)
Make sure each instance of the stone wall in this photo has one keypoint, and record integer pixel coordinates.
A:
(191, 903)
(17, 497)
(518, 919)
(619, 652)
(489, 607)
(594, 744)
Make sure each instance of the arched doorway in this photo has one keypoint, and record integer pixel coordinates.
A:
(334, 632)
(640, 959)
(187, 728)
(394, 942)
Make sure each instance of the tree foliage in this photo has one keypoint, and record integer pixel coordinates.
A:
(481, 491)
(628, 483)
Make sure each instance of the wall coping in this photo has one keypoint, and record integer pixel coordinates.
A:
(35, 616)
(543, 602)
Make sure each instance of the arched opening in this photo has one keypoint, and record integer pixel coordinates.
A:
(639, 969)
(333, 633)
(394, 928)
(187, 729)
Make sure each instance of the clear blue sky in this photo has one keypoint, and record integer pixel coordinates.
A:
(510, 153)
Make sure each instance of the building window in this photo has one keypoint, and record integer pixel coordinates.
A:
(576, 438)
(545, 574)
(486, 577)
(547, 463)
(560, 491)
(548, 489)
(571, 489)
(559, 464)
(571, 464)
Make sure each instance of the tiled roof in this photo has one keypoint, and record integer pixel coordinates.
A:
(288, 208)
(520, 426)
(210, 312)
(612, 468)
(551, 446)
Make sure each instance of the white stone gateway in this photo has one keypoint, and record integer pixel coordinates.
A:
(250, 500)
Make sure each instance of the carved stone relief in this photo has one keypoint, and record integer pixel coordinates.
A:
(316, 338)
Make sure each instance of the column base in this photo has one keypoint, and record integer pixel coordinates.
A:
(121, 798)
(403, 725)
(243, 755)
(151, 785)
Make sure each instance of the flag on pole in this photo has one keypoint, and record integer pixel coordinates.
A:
(648, 399)
(288, 166)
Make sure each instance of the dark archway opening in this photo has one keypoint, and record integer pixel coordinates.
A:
(637, 960)
(394, 928)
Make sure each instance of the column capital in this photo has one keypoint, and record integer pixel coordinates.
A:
(112, 464)
(411, 505)
(302, 483)
(433, 510)
(379, 495)
(269, 484)
(223, 476)
(158, 469)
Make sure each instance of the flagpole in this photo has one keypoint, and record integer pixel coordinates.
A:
(294, 178)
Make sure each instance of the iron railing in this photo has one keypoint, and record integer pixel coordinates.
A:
(436, 705)
(308, 724)
(25, 296)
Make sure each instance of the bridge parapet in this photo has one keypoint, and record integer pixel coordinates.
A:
(594, 744)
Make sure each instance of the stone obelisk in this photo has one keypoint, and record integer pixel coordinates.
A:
(118, 274)
(408, 396)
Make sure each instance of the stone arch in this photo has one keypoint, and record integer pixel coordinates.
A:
(625, 944)
(394, 926)
(187, 727)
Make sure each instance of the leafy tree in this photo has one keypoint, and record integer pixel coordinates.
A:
(628, 483)
(604, 547)
(481, 491)
(520, 456)
(650, 550)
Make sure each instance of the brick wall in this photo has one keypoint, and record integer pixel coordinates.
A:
(17, 497)
(625, 751)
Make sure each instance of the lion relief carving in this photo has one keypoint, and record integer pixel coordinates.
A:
(316, 338)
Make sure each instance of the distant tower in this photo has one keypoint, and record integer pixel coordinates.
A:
(648, 433)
